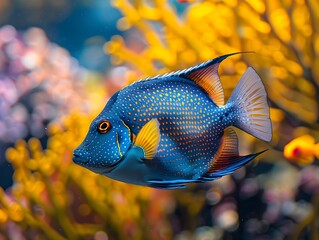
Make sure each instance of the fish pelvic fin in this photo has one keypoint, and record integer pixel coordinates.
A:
(148, 138)
(227, 159)
(251, 107)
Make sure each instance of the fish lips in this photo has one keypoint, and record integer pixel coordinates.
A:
(79, 160)
(101, 170)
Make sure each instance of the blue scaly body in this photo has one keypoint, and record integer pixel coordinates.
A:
(186, 132)
(191, 125)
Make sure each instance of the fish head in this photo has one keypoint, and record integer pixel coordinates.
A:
(105, 144)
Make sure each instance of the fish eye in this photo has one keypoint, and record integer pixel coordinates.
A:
(104, 126)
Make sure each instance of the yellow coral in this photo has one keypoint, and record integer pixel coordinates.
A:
(48, 186)
(284, 37)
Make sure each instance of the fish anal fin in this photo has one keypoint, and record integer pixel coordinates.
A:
(236, 163)
(227, 151)
(148, 138)
(227, 159)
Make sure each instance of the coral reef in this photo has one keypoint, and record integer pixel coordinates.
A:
(39, 83)
(283, 35)
(270, 199)
(52, 198)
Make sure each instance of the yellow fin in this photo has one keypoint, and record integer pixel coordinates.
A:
(148, 138)
(133, 138)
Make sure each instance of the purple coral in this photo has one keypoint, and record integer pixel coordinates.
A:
(39, 82)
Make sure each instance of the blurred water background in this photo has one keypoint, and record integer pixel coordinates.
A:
(60, 61)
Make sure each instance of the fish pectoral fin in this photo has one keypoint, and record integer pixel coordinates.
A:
(133, 138)
(148, 138)
(227, 159)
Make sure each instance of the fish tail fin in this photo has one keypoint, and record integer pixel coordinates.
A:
(251, 108)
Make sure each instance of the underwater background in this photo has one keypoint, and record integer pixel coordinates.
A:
(60, 62)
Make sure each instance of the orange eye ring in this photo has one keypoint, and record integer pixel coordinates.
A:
(104, 126)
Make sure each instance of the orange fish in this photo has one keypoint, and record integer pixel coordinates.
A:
(302, 150)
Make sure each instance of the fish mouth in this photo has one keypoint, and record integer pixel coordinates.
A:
(101, 170)
(79, 160)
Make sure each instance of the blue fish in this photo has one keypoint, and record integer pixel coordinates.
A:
(174, 129)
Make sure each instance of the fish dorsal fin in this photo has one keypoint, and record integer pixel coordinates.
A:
(227, 151)
(206, 76)
(148, 138)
